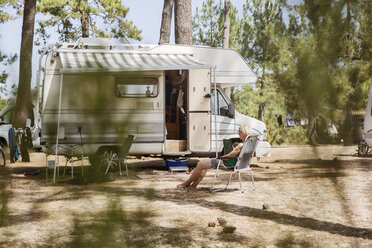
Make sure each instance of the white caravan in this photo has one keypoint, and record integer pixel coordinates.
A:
(367, 127)
(365, 145)
(368, 120)
(95, 92)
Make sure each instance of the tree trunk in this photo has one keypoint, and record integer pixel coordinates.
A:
(226, 38)
(183, 22)
(23, 102)
(261, 106)
(85, 20)
(166, 22)
(311, 128)
(226, 25)
(85, 25)
(348, 128)
(261, 111)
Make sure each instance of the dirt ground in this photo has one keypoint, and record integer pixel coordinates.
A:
(314, 197)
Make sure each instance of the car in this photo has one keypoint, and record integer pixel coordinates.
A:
(6, 117)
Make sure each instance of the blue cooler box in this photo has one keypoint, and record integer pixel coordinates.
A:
(177, 165)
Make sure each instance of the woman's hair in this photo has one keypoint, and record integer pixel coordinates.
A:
(245, 129)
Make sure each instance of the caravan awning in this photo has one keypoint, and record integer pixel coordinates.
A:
(118, 61)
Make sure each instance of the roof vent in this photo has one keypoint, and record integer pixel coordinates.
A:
(95, 43)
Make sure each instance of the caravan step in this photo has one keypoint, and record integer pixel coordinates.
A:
(176, 146)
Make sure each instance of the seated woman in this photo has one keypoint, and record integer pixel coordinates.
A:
(202, 166)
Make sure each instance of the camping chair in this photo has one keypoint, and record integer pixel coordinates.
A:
(114, 158)
(227, 148)
(243, 164)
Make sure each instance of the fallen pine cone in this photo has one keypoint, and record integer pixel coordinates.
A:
(221, 221)
(211, 224)
(229, 229)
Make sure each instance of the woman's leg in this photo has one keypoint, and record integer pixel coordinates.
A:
(198, 180)
(198, 173)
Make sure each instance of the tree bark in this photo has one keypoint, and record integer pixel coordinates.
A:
(85, 25)
(261, 111)
(226, 25)
(183, 22)
(348, 127)
(166, 22)
(311, 128)
(85, 20)
(226, 38)
(23, 102)
(261, 106)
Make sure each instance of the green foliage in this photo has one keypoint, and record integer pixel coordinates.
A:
(3, 104)
(208, 25)
(106, 18)
(5, 60)
(287, 135)
(246, 103)
(263, 27)
(5, 6)
(323, 64)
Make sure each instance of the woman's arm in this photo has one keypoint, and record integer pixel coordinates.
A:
(234, 153)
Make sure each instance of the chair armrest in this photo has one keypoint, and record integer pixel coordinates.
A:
(225, 158)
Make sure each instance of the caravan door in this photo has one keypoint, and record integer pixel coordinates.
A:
(199, 105)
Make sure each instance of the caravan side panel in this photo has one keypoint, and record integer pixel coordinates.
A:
(368, 120)
(92, 111)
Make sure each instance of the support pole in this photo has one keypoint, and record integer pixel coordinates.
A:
(215, 108)
(56, 161)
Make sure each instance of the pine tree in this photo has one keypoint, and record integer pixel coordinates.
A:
(262, 29)
(208, 25)
(81, 18)
(324, 64)
(23, 102)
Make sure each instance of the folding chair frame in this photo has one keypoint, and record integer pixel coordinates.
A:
(114, 158)
(236, 170)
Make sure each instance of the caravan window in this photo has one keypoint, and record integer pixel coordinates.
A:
(136, 87)
(222, 104)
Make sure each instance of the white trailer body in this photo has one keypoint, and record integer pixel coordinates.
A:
(93, 95)
(367, 126)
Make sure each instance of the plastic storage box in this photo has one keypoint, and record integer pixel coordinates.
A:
(177, 165)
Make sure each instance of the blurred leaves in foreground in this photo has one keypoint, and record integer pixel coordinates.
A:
(115, 227)
(313, 59)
